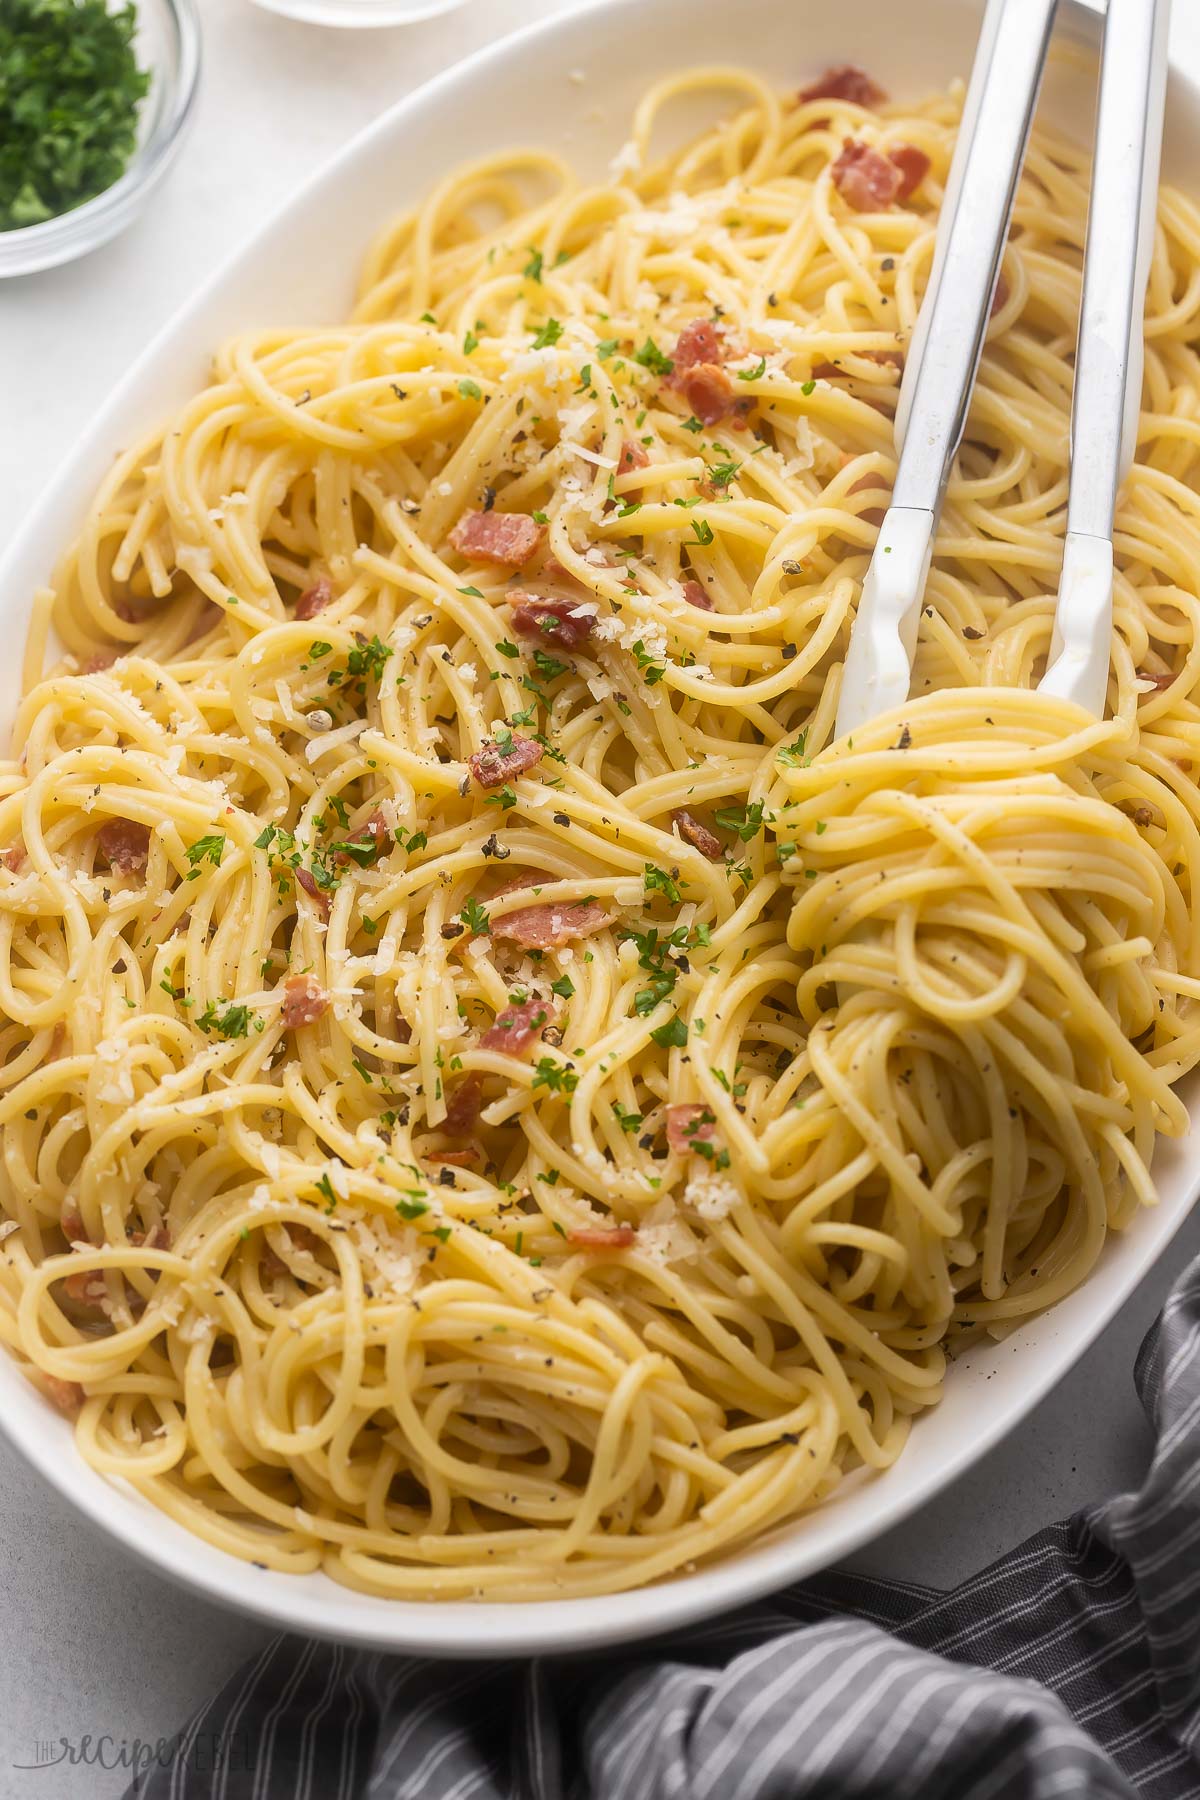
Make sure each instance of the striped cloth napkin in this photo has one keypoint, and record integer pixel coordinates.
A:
(1070, 1667)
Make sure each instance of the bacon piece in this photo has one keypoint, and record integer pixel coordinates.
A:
(491, 766)
(700, 341)
(555, 621)
(1161, 682)
(304, 1001)
(98, 661)
(873, 515)
(13, 857)
(507, 539)
(71, 1224)
(67, 1396)
(314, 599)
(689, 1125)
(462, 1107)
(633, 456)
(694, 594)
(157, 1238)
(693, 831)
(708, 391)
(125, 845)
(913, 165)
(866, 180)
(308, 881)
(1000, 293)
(551, 925)
(845, 82)
(457, 1159)
(87, 1288)
(528, 878)
(518, 1026)
(602, 1237)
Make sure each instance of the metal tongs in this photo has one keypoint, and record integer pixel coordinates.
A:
(948, 343)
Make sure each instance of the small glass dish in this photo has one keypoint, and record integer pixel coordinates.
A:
(359, 14)
(168, 45)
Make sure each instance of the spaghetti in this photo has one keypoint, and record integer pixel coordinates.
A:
(493, 1102)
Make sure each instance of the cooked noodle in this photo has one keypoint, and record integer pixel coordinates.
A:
(923, 1013)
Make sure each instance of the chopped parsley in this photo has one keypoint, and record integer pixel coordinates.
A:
(70, 92)
(755, 374)
(747, 821)
(560, 1078)
(208, 849)
(549, 334)
(470, 390)
(226, 1019)
(671, 1036)
(474, 917)
(658, 881)
(533, 268)
(628, 1121)
(652, 358)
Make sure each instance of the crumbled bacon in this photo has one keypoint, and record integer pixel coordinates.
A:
(87, 1288)
(602, 1237)
(689, 1125)
(157, 1238)
(492, 766)
(551, 925)
(560, 622)
(694, 594)
(913, 165)
(846, 82)
(516, 1027)
(67, 1396)
(872, 515)
(865, 179)
(314, 599)
(308, 881)
(125, 845)
(304, 1001)
(71, 1224)
(462, 1107)
(700, 341)
(13, 857)
(633, 456)
(708, 391)
(693, 831)
(508, 539)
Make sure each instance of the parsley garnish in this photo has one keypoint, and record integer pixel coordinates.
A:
(559, 1078)
(564, 987)
(652, 358)
(703, 531)
(474, 917)
(792, 754)
(533, 268)
(70, 91)
(745, 820)
(628, 1121)
(549, 334)
(226, 1019)
(470, 390)
(671, 1036)
(657, 880)
(755, 374)
(206, 849)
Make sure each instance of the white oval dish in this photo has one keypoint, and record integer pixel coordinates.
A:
(572, 84)
(359, 15)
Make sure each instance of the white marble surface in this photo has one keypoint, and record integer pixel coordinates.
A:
(91, 1643)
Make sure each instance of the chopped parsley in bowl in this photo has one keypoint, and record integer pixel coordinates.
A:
(94, 96)
(70, 90)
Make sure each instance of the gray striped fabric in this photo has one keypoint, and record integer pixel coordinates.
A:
(1071, 1667)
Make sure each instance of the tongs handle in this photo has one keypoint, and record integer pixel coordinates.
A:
(1109, 357)
(879, 660)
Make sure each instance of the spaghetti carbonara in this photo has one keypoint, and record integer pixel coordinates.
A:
(494, 1102)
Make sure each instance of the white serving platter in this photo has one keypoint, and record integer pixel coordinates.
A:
(572, 84)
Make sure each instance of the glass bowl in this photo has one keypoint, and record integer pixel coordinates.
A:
(168, 45)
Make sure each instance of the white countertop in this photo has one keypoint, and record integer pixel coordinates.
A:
(92, 1643)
